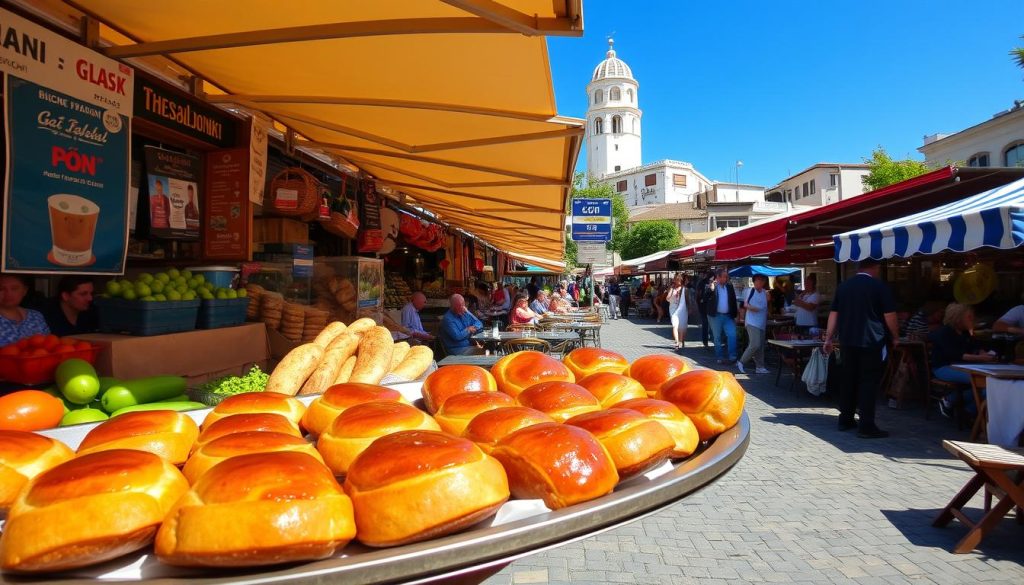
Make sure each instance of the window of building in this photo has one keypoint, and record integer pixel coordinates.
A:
(678, 180)
(730, 222)
(789, 194)
(616, 124)
(1014, 155)
(650, 180)
(978, 160)
(629, 94)
(618, 168)
(620, 187)
(598, 126)
(805, 192)
(615, 94)
(616, 147)
(833, 179)
(813, 191)
(598, 96)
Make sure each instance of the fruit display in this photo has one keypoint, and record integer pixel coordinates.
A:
(170, 285)
(396, 291)
(34, 360)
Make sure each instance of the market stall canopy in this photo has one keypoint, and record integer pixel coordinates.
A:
(554, 266)
(448, 102)
(755, 270)
(992, 219)
(648, 258)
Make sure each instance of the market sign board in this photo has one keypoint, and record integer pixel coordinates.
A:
(68, 113)
(591, 220)
(174, 109)
(591, 253)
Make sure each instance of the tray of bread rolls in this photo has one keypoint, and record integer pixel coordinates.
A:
(364, 483)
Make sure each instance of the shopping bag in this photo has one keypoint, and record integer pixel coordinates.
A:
(816, 373)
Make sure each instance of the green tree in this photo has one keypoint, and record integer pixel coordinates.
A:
(1017, 54)
(648, 237)
(591, 189)
(885, 171)
(569, 255)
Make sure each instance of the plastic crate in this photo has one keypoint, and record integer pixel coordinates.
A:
(222, 313)
(35, 370)
(146, 317)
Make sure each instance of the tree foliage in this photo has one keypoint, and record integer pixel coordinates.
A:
(591, 189)
(1017, 54)
(885, 170)
(648, 237)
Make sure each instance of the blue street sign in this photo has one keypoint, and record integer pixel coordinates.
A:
(591, 220)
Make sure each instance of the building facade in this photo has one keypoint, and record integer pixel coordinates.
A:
(997, 142)
(821, 184)
(658, 183)
(613, 117)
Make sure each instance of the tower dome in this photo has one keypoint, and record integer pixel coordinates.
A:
(612, 66)
(613, 117)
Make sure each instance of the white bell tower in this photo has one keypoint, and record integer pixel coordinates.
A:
(613, 117)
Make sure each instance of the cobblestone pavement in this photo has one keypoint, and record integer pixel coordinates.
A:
(807, 503)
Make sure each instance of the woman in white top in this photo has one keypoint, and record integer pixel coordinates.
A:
(755, 308)
(806, 304)
(677, 310)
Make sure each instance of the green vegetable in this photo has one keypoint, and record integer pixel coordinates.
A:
(254, 381)
(142, 391)
(179, 406)
(178, 398)
(82, 416)
(107, 382)
(77, 380)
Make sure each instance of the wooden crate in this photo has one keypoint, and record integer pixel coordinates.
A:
(279, 230)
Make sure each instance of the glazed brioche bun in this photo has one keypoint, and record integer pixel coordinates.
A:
(487, 428)
(258, 509)
(353, 431)
(458, 410)
(166, 433)
(560, 464)
(322, 411)
(273, 402)
(586, 361)
(448, 381)
(610, 388)
(712, 400)
(243, 423)
(654, 370)
(559, 400)
(24, 455)
(90, 509)
(518, 371)
(678, 424)
(635, 442)
(243, 443)
(415, 485)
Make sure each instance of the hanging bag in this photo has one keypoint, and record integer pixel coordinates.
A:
(816, 373)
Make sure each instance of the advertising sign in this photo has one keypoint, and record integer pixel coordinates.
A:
(176, 110)
(591, 220)
(371, 234)
(302, 261)
(226, 215)
(259, 132)
(591, 253)
(172, 182)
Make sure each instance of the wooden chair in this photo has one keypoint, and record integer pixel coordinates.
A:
(979, 433)
(939, 389)
(561, 348)
(521, 327)
(524, 344)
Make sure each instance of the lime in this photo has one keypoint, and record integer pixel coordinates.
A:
(146, 277)
(173, 295)
(242, 293)
(159, 297)
(113, 288)
(148, 298)
(201, 278)
(162, 276)
(206, 295)
(187, 274)
(173, 273)
(128, 294)
(193, 283)
(143, 290)
(221, 294)
(231, 294)
(189, 296)
(157, 286)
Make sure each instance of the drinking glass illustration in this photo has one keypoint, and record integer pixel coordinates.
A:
(72, 227)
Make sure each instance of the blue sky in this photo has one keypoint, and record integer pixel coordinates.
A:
(781, 85)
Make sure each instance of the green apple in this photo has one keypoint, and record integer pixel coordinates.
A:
(160, 297)
(201, 278)
(128, 294)
(148, 298)
(173, 295)
(162, 276)
(173, 273)
(113, 288)
(157, 286)
(187, 274)
(146, 277)
(143, 290)
(242, 293)
(189, 296)
(231, 294)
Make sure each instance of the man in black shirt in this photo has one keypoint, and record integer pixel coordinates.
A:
(703, 292)
(71, 313)
(864, 313)
(720, 307)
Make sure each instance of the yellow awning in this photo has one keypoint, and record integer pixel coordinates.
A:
(447, 101)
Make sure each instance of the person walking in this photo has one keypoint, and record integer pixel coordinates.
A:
(755, 311)
(703, 290)
(864, 315)
(720, 306)
(614, 295)
(676, 302)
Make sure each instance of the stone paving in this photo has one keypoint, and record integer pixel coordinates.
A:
(806, 504)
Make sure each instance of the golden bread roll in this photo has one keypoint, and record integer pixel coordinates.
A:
(393, 480)
(678, 424)
(345, 372)
(340, 349)
(241, 423)
(249, 402)
(487, 428)
(654, 370)
(448, 381)
(585, 361)
(166, 433)
(323, 410)
(610, 388)
(258, 509)
(90, 509)
(24, 455)
(362, 325)
(398, 354)
(518, 371)
(712, 400)
(416, 362)
(559, 400)
(560, 464)
(243, 443)
(353, 431)
(328, 333)
(294, 369)
(635, 442)
(374, 357)
(458, 410)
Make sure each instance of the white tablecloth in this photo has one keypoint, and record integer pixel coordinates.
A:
(1005, 411)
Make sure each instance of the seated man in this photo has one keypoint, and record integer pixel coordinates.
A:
(540, 304)
(411, 323)
(1011, 322)
(457, 327)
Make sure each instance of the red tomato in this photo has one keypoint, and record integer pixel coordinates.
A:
(37, 340)
(68, 340)
(83, 346)
(40, 352)
(11, 349)
(51, 342)
(30, 410)
(64, 348)
(22, 344)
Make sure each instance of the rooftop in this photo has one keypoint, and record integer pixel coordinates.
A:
(669, 211)
(612, 66)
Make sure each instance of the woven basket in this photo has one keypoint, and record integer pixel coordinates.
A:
(299, 194)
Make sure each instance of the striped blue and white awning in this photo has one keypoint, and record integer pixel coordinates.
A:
(993, 219)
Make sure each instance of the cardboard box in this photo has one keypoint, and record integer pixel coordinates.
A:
(279, 230)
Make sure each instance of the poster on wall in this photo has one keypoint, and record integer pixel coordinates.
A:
(371, 236)
(172, 185)
(227, 213)
(68, 113)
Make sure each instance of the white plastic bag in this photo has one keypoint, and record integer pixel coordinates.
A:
(816, 373)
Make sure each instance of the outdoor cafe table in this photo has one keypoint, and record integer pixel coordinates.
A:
(801, 349)
(484, 361)
(492, 342)
(1004, 397)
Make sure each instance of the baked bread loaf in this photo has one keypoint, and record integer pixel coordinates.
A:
(415, 485)
(274, 402)
(560, 464)
(585, 361)
(518, 371)
(90, 509)
(487, 428)
(610, 388)
(654, 370)
(24, 455)
(448, 381)
(712, 400)
(353, 431)
(458, 410)
(322, 411)
(635, 442)
(241, 423)
(166, 433)
(258, 509)
(678, 424)
(243, 443)
(559, 400)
